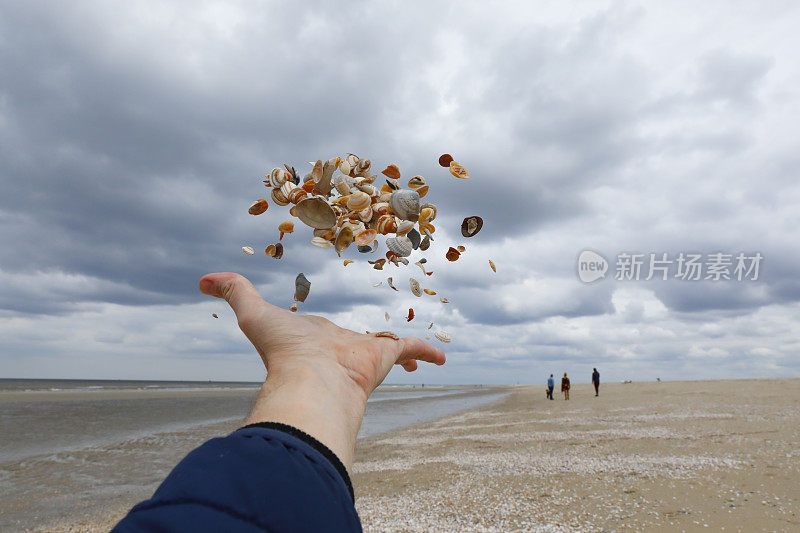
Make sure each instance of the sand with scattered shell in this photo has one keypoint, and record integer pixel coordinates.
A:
(671, 456)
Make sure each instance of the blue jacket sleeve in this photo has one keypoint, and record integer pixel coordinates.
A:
(263, 477)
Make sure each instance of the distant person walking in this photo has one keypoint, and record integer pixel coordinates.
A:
(551, 384)
(596, 382)
(565, 386)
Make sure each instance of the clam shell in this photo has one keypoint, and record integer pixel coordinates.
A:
(387, 334)
(401, 246)
(386, 316)
(345, 167)
(215, 315)
(327, 233)
(416, 181)
(428, 211)
(452, 254)
(491, 264)
(404, 227)
(405, 204)
(380, 208)
(403, 260)
(444, 300)
(358, 201)
(322, 243)
(278, 251)
(410, 316)
(425, 244)
(415, 238)
(364, 249)
(378, 263)
(316, 212)
(442, 336)
(461, 249)
(248, 250)
(286, 226)
(429, 292)
(386, 224)
(324, 186)
(279, 198)
(445, 159)
(419, 264)
(365, 237)
(389, 281)
(270, 250)
(343, 239)
(377, 284)
(258, 207)
(296, 194)
(287, 187)
(316, 172)
(422, 191)
(342, 184)
(347, 262)
(393, 185)
(301, 288)
(293, 308)
(391, 171)
(362, 167)
(367, 188)
(416, 288)
(457, 170)
(279, 176)
(470, 226)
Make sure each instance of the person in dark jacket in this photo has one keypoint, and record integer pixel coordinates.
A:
(596, 382)
(288, 468)
(551, 384)
(565, 386)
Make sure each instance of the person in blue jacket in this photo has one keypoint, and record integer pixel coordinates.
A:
(287, 468)
(551, 384)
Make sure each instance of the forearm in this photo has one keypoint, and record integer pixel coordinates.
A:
(316, 399)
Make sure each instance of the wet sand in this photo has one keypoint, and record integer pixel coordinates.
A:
(715, 455)
(670, 456)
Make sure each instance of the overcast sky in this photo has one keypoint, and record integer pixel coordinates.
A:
(134, 136)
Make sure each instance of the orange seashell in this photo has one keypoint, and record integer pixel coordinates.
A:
(347, 262)
(457, 170)
(462, 249)
(366, 237)
(279, 198)
(308, 186)
(422, 191)
(293, 210)
(410, 316)
(386, 224)
(293, 308)
(429, 291)
(391, 172)
(380, 208)
(452, 254)
(491, 264)
(296, 194)
(258, 207)
(388, 334)
(445, 159)
(444, 300)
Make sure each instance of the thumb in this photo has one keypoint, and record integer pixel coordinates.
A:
(236, 290)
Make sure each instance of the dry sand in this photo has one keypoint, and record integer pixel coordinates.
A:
(670, 456)
(674, 456)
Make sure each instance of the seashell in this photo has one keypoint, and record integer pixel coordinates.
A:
(363, 249)
(444, 300)
(316, 172)
(491, 264)
(316, 212)
(358, 201)
(415, 238)
(404, 227)
(429, 292)
(293, 210)
(287, 187)
(377, 284)
(378, 264)
(278, 177)
(416, 181)
(342, 184)
(405, 204)
(428, 211)
(248, 250)
(322, 243)
(391, 172)
(387, 334)
(279, 198)
(386, 224)
(410, 316)
(270, 250)
(445, 159)
(422, 191)
(461, 249)
(389, 281)
(328, 234)
(215, 315)
(425, 244)
(344, 167)
(362, 167)
(347, 262)
(386, 316)
(324, 185)
(403, 260)
(385, 189)
(293, 308)
(343, 239)
(419, 264)
(416, 288)
(427, 229)
(339, 210)
(380, 208)
(423, 260)
(367, 188)
(401, 246)
(393, 185)
(365, 237)
(258, 207)
(470, 226)
(385, 197)
(301, 288)
(274, 250)
(427, 337)
(366, 215)
(391, 256)
(452, 254)
(286, 227)
(442, 336)
(457, 170)
(296, 194)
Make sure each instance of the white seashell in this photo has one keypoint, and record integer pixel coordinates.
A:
(386, 316)
(442, 336)
(377, 284)
(404, 227)
(344, 239)
(389, 281)
(322, 243)
(342, 184)
(248, 250)
(416, 288)
(405, 204)
(400, 246)
(316, 212)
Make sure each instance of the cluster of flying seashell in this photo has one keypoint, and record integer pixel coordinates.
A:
(344, 204)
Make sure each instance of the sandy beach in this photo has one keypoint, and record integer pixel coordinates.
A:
(673, 456)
